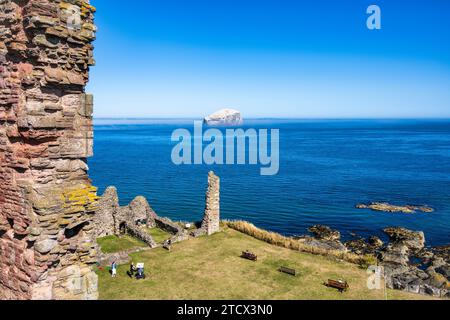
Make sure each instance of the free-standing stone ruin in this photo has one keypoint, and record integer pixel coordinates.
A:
(138, 216)
(211, 220)
(47, 201)
(112, 219)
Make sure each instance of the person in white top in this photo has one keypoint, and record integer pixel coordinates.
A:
(113, 269)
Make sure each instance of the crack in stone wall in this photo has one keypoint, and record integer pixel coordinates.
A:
(47, 202)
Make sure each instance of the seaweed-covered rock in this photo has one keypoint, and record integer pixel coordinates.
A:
(413, 240)
(442, 252)
(375, 242)
(322, 232)
(387, 207)
(362, 246)
(324, 238)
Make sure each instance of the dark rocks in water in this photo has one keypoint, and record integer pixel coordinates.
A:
(403, 243)
(361, 246)
(324, 238)
(387, 207)
(358, 246)
(322, 232)
(442, 252)
(375, 242)
(413, 240)
(424, 254)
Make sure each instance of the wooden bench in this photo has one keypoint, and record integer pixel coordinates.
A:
(341, 285)
(249, 256)
(290, 271)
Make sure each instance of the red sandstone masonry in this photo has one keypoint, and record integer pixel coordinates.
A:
(46, 198)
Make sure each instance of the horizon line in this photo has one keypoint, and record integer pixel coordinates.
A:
(272, 118)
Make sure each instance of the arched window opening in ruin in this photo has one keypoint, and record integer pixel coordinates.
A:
(123, 228)
(70, 233)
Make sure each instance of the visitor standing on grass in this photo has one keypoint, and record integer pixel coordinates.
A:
(132, 269)
(113, 269)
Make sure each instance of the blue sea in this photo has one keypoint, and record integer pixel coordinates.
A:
(326, 168)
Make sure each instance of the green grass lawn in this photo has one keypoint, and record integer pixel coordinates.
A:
(158, 234)
(111, 244)
(210, 268)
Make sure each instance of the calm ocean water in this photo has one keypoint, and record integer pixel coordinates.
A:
(326, 168)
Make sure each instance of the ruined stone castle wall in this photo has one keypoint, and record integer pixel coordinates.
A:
(110, 217)
(105, 217)
(46, 198)
(211, 220)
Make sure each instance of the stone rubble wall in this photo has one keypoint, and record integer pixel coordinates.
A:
(141, 234)
(47, 201)
(120, 258)
(168, 225)
(178, 232)
(138, 212)
(104, 220)
(211, 220)
(110, 216)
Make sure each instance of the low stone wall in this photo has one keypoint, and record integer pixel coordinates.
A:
(168, 225)
(198, 233)
(179, 233)
(142, 235)
(181, 236)
(117, 257)
(122, 257)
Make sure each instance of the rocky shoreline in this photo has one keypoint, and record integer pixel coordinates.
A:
(408, 264)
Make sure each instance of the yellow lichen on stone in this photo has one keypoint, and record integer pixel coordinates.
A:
(80, 196)
(87, 6)
(87, 9)
(89, 26)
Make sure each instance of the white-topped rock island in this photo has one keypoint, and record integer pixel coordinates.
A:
(224, 117)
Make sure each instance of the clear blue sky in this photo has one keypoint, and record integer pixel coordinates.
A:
(274, 58)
